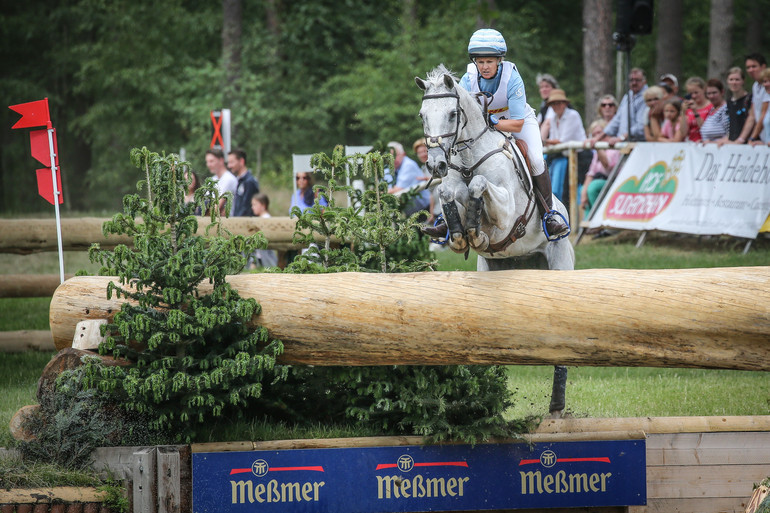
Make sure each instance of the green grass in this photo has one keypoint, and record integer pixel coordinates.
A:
(19, 373)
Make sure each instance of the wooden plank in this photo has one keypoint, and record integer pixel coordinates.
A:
(710, 505)
(705, 318)
(708, 449)
(393, 441)
(48, 495)
(658, 424)
(145, 480)
(29, 285)
(701, 481)
(26, 340)
(169, 486)
(117, 461)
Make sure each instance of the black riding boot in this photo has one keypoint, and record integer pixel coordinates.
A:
(554, 224)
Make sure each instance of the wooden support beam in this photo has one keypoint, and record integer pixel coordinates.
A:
(25, 236)
(144, 478)
(26, 340)
(29, 285)
(702, 318)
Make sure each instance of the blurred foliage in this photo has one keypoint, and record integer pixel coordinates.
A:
(125, 74)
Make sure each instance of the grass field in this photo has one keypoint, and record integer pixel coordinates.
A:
(591, 391)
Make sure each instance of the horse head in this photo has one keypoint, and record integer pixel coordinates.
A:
(441, 117)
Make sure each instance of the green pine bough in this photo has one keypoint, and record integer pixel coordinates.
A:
(192, 355)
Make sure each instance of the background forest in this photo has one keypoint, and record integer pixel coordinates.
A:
(300, 76)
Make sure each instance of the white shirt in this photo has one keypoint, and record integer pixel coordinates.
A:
(568, 127)
(226, 183)
(758, 97)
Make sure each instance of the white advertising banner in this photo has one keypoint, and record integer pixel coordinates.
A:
(690, 188)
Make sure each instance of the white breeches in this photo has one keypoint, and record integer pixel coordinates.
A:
(530, 134)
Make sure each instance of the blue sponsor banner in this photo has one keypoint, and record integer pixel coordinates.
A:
(422, 478)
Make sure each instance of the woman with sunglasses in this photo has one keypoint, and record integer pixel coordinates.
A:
(607, 108)
(304, 196)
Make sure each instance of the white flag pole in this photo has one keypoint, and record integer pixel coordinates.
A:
(56, 193)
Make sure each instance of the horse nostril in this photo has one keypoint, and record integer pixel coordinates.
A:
(441, 168)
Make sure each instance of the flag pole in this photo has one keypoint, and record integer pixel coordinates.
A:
(56, 194)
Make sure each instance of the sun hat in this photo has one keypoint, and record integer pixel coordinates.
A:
(557, 95)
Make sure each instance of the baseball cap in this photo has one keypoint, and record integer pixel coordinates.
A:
(669, 76)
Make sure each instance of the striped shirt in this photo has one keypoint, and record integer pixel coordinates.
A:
(717, 125)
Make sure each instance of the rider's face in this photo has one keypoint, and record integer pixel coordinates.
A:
(487, 66)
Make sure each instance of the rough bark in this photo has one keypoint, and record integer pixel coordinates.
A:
(703, 318)
(232, 11)
(720, 39)
(668, 46)
(754, 23)
(597, 53)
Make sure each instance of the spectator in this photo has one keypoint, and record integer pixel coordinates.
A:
(408, 174)
(602, 164)
(225, 180)
(628, 124)
(607, 108)
(761, 135)
(421, 150)
(717, 125)
(545, 84)
(260, 207)
(669, 131)
(738, 105)
(193, 185)
(672, 91)
(304, 196)
(247, 184)
(565, 126)
(697, 108)
(755, 65)
(653, 113)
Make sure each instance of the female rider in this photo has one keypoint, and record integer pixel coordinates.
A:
(489, 73)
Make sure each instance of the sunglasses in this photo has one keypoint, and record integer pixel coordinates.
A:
(608, 104)
(302, 178)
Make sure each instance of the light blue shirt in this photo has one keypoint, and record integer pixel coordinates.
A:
(516, 94)
(618, 125)
(408, 175)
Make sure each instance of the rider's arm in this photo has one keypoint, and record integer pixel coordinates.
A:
(510, 125)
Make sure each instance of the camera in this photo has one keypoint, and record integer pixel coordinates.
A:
(688, 96)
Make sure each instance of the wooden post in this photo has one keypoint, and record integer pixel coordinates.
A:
(169, 486)
(145, 480)
(574, 206)
(702, 318)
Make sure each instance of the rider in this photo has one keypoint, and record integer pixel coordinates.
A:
(509, 112)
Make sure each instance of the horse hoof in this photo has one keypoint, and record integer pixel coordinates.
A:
(556, 414)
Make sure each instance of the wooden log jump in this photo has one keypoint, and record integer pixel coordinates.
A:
(24, 236)
(29, 285)
(703, 318)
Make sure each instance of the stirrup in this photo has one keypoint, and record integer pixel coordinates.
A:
(550, 215)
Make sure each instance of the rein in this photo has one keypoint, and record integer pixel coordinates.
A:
(465, 144)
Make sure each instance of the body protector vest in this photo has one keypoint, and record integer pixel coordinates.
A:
(499, 102)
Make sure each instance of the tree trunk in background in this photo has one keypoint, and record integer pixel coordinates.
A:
(409, 18)
(597, 53)
(484, 18)
(232, 11)
(720, 38)
(668, 46)
(755, 17)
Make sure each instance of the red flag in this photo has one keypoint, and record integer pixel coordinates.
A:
(32, 114)
(45, 185)
(38, 143)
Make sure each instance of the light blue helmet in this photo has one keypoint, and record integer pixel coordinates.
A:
(487, 43)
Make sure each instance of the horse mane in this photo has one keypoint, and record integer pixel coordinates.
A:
(435, 76)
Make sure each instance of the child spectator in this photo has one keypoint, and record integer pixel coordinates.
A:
(260, 206)
(653, 114)
(604, 161)
(669, 131)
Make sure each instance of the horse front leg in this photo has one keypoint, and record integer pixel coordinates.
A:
(453, 197)
(476, 237)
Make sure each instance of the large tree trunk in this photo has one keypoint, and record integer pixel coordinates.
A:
(720, 39)
(707, 318)
(754, 23)
(232, 12)
(668, 46)
(597, 53)
(484, 18)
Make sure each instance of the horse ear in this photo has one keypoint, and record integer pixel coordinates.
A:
(449, 81)
(420, 83)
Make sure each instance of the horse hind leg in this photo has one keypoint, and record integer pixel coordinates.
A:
(558, 392)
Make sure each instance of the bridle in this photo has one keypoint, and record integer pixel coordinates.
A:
(433, 141)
